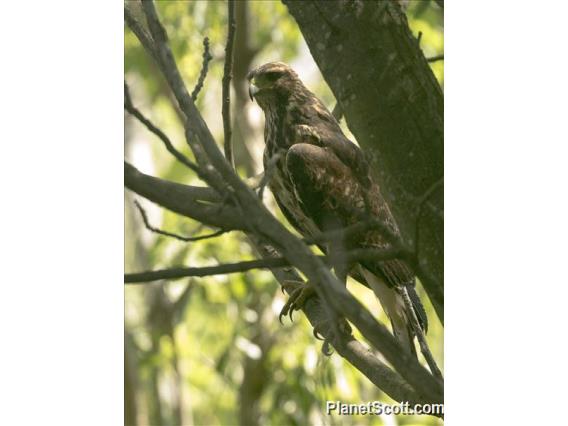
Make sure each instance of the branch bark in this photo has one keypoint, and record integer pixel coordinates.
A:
(226, 83)
(361, 357)
(129, 106)
(260, 222)
(185, 239)
(204, 68)
(170, 195)
(199, 203)
(230, 268)
(393, 105)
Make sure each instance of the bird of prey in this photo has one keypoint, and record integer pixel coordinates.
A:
(322, 182)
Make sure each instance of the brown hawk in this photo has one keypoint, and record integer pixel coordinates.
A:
(321, 182)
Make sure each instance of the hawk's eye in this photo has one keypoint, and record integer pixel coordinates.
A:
(272, 76)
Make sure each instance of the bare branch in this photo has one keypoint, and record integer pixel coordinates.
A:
(362, 358)
(419, 334)
(383, 122)
(140, 32)
(197, 133)
(268, 172)
(199, 203)
(128, 106)
(153, 44)
(227, 75)
(170, 234)
(348, 347)
(204, 68)
(365, 224)
(230, 268)
(149, 45)
(264, 223)
(368, 222)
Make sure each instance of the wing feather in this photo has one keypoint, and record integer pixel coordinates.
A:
(330, 192)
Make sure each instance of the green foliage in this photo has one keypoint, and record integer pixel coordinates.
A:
(192, 339)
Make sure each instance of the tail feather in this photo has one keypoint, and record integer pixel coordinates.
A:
(403, 332)
(393, 304)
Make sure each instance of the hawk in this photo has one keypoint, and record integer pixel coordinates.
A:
(322, 182)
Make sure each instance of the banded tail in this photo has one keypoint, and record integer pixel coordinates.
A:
(395, 308)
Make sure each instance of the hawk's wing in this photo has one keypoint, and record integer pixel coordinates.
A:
(331, 195)
(330, 177)
(327, 133)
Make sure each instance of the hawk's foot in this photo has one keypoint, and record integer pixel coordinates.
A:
(333, 328)
(298, 297)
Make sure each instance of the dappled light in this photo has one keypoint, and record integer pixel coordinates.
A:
(205, 347)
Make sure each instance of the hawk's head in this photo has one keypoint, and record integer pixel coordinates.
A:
(273, 82)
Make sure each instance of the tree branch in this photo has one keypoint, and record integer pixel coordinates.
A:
(375, 370)
(420, 334)
(171, 234)
(397, 117)
(226, 85)
(199, 203)
(151, 43)
(230, 268)
(204, 67)
(348, 347)
(363, 359)
(128, 106)
(261, 222)
(140, 32)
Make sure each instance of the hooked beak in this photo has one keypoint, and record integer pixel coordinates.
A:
(253, 90)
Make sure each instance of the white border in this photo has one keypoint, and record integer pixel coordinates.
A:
(61, 303)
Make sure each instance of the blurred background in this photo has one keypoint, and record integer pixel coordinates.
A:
(210, 351)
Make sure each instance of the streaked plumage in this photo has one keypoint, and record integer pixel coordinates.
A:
(321, 182)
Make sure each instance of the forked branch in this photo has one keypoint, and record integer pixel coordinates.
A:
(247, 213)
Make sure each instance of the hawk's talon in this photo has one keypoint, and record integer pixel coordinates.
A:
(324, 179)
(334, 327)
(297, 298)
(317, 330)
(326, 348)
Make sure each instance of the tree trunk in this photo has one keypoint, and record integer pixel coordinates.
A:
(394, 106)
(411, 382)
(245, 53)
